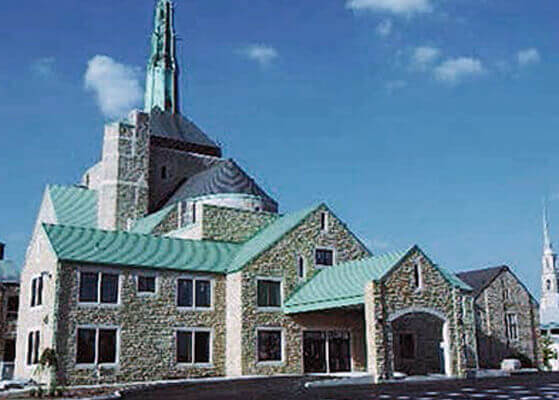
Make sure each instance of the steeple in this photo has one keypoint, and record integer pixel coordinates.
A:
(547, 246)
(162, 70)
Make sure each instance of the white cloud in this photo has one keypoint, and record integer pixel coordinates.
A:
(43, 67)
(455, 70)
(263, 54)
(116, 86)
(425, 56)
(393, 86)
(528, 56)
(392, 6)
(384, 28)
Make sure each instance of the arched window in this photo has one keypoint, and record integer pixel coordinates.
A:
(301, 267)
(324, 221)
(164, 172)
(548, 284)
(417, 276)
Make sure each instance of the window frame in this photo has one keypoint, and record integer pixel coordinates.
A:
(324, 221)
(35, 355)
(12, 315)
(96, 363)
(511, 328)
(332, 249)
(193, 331)
(100, 272)
(418, 283)
(301, 265)
(194, 279)
(147, 275)
(270, 308)
(282, 345)
(34, 292)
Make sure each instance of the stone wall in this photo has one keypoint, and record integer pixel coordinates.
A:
(280, 261)
(170, 223)
(147, 329)
(233, 225)
(491, 308)
(123, 193)
(398, 295)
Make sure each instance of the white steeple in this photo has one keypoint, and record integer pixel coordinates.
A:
(549, 304)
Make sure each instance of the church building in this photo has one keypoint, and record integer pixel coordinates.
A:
(169, 261)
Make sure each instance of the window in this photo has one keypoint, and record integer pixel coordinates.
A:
(163, 172)
(407, 345)
(269, 345)
(146, 284)
(33, 344)
(417, 276)
(301, 267)
(13, 305)
(37, 291)
(194, 292)
(193, 213)
(324, 221)
(97, 346)
(193, 346)
(548, 284)
(554, 331)
(9, 350)
(511, 326)
(324, 257)
(506, 294)
(269, 293)
(98, 287)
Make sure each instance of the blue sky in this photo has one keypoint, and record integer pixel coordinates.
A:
(418, 121)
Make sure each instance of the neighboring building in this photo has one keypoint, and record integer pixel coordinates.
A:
(171, 262)
(549, 302)
(9, 297)
(507, 317)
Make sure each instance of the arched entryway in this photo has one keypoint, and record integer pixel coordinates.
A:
(420, 342)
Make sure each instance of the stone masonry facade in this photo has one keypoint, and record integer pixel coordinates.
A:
(506, 295)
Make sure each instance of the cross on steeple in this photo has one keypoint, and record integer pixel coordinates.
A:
(162, 70)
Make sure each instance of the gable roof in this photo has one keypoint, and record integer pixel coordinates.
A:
(9, 272)
(343, 285)
(225, 177)
(174, 126)
(481, 278)
(96, 246)
(268, 236)
(149, 222)
(74, 205)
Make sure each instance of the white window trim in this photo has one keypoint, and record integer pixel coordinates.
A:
(298, 260)
(271, 329)
(36, 307)
(194, 279)
(508, 326)
(194, 364)
(147, 275)
(320, 266)
(274, 279)
(99, 272)
(421, 285)
(32, 330)
(96, 364)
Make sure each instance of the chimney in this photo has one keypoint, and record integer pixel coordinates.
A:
(2, 246)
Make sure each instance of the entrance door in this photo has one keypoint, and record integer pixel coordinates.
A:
(326, 352)
(314, 352)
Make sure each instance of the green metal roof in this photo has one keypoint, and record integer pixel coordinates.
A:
(9, 272)
(149, 223)
(131, 249)
(343, 285)
(268, 236)
(74, 205)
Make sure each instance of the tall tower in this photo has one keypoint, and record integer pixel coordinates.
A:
(549, 304)
(162, 70)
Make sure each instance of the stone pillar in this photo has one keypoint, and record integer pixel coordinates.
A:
(379, 354)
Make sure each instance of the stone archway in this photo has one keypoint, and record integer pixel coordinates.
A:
(420, 341)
